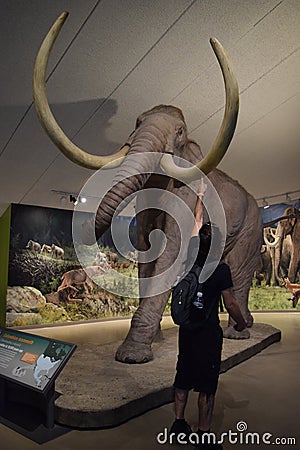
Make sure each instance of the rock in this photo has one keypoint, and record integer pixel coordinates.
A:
(27, 306)
(53, 297)
(106, 306)
(24, 299)
(14, 319)
(95, 306)
(51, 313)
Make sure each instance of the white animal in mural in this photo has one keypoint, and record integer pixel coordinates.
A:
(132, 255)
(58, 252)
(46, 248)
(33, 246)
(101, 259)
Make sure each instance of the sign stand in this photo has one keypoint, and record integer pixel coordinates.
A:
(2, 397)
(50, 398)
(12, 396)
(29, 366)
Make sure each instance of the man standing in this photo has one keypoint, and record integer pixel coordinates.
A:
(200, 347)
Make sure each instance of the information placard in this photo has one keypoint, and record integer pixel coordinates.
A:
(31, 360)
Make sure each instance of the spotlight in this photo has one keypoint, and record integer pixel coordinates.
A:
(82, 199)
(73, 199)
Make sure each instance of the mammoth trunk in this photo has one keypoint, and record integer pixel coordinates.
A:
(133, 174)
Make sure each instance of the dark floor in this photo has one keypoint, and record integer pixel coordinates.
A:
(263, 392)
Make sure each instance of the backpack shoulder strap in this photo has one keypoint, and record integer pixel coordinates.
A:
(196, 269)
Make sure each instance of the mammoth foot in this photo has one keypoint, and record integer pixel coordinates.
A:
(134, 353)
(249, 321)
(231, 333)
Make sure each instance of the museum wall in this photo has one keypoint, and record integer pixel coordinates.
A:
(4, 252)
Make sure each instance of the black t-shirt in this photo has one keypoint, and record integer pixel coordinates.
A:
(211, 290)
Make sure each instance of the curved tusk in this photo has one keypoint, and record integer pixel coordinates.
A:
(47, 119)
(226, 131)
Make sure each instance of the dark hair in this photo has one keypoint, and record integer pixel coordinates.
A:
(217, 238)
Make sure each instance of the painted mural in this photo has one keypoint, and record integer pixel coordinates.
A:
(46, 281)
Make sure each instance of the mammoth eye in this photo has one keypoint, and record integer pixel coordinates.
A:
(138, 123)
(180, 132)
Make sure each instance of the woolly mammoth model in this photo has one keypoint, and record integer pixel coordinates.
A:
(285, 248)
(162, 130)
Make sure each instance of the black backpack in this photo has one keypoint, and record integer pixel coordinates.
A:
(184, 293)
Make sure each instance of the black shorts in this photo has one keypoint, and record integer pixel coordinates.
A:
(199, 359)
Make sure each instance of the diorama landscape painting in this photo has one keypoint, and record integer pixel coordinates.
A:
(47, 283)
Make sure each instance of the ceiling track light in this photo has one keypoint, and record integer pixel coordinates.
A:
(265, 204)
(72, 197)
(285, 197)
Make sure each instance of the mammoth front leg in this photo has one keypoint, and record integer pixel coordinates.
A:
(241, 292)
(242, 270)
(144, 325)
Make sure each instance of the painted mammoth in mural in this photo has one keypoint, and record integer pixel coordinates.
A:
(162, 130)
(113, 257)
(267, 254)
(285, 259)
(287, 245)
(264, 269)
(271, 275)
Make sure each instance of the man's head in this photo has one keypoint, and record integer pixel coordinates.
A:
(210, 232)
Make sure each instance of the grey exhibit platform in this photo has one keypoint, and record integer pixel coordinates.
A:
(95, 391)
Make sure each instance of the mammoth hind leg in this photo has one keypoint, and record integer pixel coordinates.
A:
(242, 260)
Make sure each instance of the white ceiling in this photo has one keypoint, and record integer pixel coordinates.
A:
(117, 58)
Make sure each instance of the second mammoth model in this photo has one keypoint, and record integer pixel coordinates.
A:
(162, 130)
